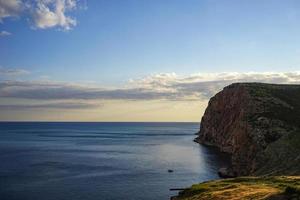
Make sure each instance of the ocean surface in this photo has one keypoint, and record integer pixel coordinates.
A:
(101, 161)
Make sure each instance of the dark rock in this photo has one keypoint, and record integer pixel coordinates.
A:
(226, 173)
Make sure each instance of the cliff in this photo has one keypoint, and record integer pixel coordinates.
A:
(258, 125)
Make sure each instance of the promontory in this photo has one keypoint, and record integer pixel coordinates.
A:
(258, 125)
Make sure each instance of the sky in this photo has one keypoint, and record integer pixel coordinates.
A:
(139, 60)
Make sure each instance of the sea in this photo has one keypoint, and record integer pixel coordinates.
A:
(102, 161)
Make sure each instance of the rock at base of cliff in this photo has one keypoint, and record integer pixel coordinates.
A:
(226, 173)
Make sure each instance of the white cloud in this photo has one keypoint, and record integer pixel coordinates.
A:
(43, 14)
(4, 33)
(33, 95)
(52, 13)
(205, 85)
(172, 87)
(9, 8)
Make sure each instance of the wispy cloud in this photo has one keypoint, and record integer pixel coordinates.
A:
(4, 33)
(5, 72)
(156, 87)
(55, 90)
(9, 8)
(57, 105)
(43, 14)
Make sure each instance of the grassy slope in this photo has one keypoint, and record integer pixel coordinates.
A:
(290, 94)
(282, 155)
(259, 188)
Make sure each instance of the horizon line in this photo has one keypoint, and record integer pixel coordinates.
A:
(103, 121)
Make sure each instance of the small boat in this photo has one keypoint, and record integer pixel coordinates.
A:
(170, 170)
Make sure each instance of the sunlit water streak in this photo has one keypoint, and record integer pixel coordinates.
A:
(105, 161)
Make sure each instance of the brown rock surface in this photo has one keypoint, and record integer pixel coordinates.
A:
(251, 121)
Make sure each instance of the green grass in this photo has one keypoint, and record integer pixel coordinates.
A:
(244, 188)
(282, 156)
(289, 94)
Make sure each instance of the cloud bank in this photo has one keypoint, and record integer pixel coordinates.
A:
(25, 95)
(195, 87)
(43, 14)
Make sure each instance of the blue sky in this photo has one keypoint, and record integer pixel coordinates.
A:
(109, 42)
(116, 39)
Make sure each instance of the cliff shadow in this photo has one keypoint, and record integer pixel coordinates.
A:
(214, 158)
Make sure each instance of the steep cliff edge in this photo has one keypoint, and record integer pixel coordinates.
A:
(258, 124)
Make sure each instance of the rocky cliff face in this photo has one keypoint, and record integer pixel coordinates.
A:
(258, 124)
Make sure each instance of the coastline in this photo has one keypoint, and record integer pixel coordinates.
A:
(258, 126)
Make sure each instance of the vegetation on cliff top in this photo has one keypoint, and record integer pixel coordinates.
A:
(259, 188)
(280, 101)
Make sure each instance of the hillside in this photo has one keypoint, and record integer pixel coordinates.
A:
(246, 188)
(258, 125)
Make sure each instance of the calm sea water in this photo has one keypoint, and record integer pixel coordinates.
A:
(101, 161)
